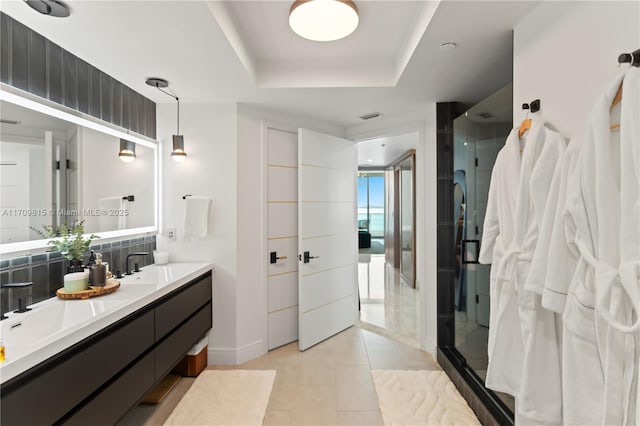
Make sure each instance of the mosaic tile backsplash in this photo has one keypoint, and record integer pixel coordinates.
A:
(46, 270)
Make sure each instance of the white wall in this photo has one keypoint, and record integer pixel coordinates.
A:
(565, 53)
(210, 135)
(424, 122)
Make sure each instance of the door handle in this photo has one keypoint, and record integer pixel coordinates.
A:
(308, 257)
(475, 253)
(273, 257)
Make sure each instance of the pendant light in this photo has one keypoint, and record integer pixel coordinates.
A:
(127, 151)
(323, 20)
(178, 153)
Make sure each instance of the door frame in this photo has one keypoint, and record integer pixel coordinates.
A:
(427, 342)
(397, 241)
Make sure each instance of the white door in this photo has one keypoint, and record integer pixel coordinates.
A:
(282, 236)
(327, 236)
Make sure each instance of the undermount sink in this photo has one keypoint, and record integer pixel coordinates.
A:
(22, 332)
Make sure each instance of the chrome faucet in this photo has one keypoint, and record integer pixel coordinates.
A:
(126, 266)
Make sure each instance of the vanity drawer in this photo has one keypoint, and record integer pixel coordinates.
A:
(107, 407)
(172, 312)
(178, 343)
(67, 380)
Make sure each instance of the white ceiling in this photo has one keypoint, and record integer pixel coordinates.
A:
(277, 57)
(182, 42)
(381, 152)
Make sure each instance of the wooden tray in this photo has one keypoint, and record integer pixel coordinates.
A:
(110, 287)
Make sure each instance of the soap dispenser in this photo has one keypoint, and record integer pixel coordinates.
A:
(99, 272)
(90, 265)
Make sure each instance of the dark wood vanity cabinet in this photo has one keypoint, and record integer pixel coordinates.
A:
(99, 379)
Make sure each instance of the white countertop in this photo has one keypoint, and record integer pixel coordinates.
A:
(54, 325)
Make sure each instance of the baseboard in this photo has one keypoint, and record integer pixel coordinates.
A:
(250, 351)
(430, 345)
(235, 356)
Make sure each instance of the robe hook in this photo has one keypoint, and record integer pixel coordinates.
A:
(632, 58)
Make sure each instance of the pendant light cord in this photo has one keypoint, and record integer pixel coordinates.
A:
(177, 100)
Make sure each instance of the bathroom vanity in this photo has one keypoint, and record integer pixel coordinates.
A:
(90, 361)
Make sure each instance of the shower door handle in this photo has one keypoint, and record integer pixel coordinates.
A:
(475, 253)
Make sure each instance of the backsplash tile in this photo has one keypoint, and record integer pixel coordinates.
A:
(47, 270)
(40, 279)
(22, 275)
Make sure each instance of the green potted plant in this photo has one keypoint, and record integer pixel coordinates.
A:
(70, 241)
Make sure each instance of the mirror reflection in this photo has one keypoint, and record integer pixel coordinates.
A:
(53, 172)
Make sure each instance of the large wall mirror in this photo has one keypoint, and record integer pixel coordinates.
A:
(57, 167)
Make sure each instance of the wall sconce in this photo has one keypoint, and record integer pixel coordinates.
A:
(178, 153)
(127, 151)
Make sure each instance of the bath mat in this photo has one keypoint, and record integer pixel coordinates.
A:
(225, 397)
(420, 398)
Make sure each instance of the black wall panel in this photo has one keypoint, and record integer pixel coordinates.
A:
(116, 107)
(94, 92)
(445, 112)
(69, 80)
(5, 47)
(82, 76)
(20, 56)
(30, 62)
(37, 64)
(106, 96)
(54, 71)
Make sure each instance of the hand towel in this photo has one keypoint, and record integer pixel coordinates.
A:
(111, 215)
(196, 216)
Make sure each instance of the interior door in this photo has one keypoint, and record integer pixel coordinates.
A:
(327, 236)
(282, 236)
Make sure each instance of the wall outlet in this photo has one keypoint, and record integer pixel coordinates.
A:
(171, 234)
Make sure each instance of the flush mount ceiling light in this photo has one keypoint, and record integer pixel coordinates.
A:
(127, 151)
(178, 153)
(447, 46)
(323, 20)
(49, 7)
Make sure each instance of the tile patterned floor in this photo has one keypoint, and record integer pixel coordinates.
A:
(329, 384)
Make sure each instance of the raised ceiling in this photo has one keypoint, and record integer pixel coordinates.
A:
(183, 42)
(374, 55)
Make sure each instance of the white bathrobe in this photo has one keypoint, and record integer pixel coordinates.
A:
(600, 326)
(509, 239)
(498, 234)
(630, 207)
(540, 396)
